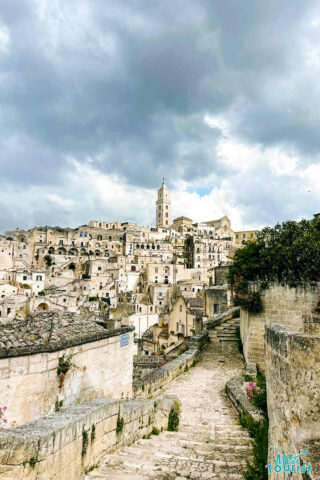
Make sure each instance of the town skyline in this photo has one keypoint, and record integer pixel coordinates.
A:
(100, 108)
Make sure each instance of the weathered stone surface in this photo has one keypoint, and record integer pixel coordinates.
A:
(56, 442)
(210, 443)
(293, 390)
(285, 306)
(239, 399)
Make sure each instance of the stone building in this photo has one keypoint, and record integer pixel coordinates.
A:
(99, 363)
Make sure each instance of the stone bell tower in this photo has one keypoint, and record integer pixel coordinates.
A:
(163, 210)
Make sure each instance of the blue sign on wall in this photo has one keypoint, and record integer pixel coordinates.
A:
(124, 340)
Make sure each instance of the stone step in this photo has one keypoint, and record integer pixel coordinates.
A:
(210, 443)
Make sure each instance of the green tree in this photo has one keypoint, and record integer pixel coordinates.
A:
(288, 253)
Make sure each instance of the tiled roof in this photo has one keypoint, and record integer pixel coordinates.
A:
(48, 332)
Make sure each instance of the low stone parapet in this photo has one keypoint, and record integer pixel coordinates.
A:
(223, 317)
(64, 445)
(239, 399)
(162, 376)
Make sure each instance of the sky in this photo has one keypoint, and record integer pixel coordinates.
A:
(100, 99)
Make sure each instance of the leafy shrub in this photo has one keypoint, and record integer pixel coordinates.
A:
(174, 417)
(155, 431)
(120, 424)
(48, 260)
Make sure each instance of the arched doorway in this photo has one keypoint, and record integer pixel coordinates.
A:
(43, 307)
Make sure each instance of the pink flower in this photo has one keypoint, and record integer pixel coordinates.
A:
(61, 375)
(4, 409)
(5, 420)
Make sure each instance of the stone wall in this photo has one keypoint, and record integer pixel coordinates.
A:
(283, 306)
(239, 399)
(233, 312)
(30, 385)
(67, 443)
(216, 300)
(160, 377)
(293, 390)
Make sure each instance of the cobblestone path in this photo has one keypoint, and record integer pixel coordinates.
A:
(210, 443)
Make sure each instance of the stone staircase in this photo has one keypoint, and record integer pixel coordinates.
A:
(210, 443)
(226, 332)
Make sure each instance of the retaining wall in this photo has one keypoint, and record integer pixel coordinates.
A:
(55, 447)
(283, 306)
(293, 390)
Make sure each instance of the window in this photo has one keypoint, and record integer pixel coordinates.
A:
(156, 270)
(64, 299)
(8, 311)
(180, 308)
(99, 269)
(38, 278)
(182, 327)
(215, 308)
(24, 277)
(166, 215)
(110, 238)
(237, 236)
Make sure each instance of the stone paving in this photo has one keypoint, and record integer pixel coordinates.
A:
(210, 443)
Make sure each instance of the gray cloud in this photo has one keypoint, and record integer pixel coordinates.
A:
(124, 87)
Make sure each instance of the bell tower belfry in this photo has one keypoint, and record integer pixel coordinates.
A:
(163, 210)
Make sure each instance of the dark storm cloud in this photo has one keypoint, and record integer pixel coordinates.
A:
(126, 85)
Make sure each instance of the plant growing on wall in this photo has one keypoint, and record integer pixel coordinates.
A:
(4, 420)
(174, 417)
(65, 363)
(85, 442)
(120, 424)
